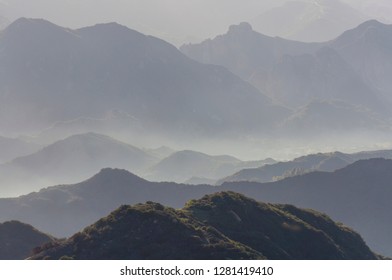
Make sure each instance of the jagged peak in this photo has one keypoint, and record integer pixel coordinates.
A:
(243, 27)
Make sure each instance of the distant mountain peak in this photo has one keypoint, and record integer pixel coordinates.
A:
(108, 26)
(110, 29)
(371, 22)
(241, 28)
(32, 31)
(361, 30)
(105, 66)
(89, 135)
(115, 174)
(370, 25)
(23, 23)
(82, 139)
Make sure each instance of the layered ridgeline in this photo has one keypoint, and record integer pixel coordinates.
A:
(358, 195)
(302, 165)
(331, 86)
(69, 161)
(81, 156)
(196, 167)
(220, 226)
(51, 74)
(367, 49)
(17, 240)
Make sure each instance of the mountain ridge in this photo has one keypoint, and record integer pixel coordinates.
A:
(109, 66)
(295, 74)
(70, 160)
(309, 163)
(147, 231)
(356, 195)
(17, 240)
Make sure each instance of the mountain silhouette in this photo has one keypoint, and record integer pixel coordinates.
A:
(52, 74)
(357, 195)
(302, 75)
(17, 240)
(367, 49)
(70, 160)
(314, 162)
(183, 165)
(219, 226)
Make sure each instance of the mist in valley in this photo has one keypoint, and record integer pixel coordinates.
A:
(193, 97)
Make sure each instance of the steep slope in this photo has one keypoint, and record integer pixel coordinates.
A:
(358, 195)
(368, 49)
(17, 240)
(296, 80)
(184, 165)
(152, 231)
(333, 115)
(149, 231)
(68, 74)
(243, 51)
(70, 160)
(308, 21)
(304, 164)
(279, 231)
(301, 76)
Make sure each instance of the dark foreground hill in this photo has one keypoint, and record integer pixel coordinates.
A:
(17, 240)
(220, 226)
(358, 195)
(65, 209)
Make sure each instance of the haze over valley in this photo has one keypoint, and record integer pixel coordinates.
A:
(256, 115)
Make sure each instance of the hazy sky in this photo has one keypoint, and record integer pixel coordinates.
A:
(177, 21)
